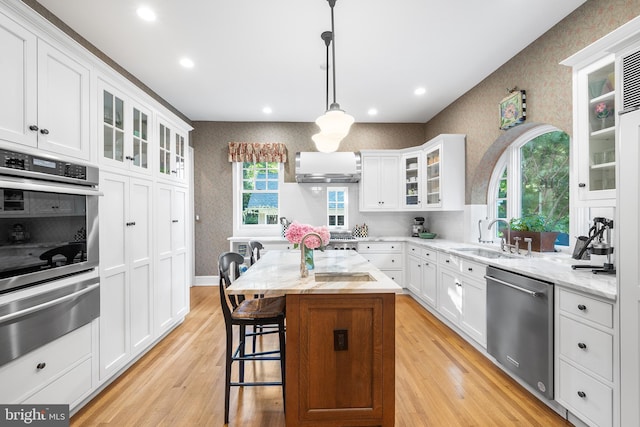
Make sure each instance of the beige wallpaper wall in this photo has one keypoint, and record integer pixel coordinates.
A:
(536, 69)
(213, 185)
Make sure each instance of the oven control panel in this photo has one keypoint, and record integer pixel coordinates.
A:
(36, 165)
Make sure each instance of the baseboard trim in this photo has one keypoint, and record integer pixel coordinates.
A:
(206, 281)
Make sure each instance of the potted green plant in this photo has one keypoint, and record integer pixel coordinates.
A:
(535, 227)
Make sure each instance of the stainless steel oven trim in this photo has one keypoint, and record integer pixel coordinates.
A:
(48, 187)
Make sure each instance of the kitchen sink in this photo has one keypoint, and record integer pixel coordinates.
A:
(344, 277)
(484, 253)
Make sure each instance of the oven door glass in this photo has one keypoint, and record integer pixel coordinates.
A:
(39, 232)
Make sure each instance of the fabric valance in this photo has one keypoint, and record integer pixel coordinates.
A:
(257, 152)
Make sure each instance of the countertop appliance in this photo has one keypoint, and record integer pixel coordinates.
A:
(338, 167)
(54, 202)
(417, 227)
(520, 327)
(598, 243)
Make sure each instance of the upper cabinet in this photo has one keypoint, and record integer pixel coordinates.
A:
(172, 154)
(412, 180)
(125, 125)
(45, 94)
(379, 187)
(444, 177)
(595, 130)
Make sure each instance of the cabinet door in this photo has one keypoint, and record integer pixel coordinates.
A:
(114, 295)
(139, 139)
(370, 199)
(164, 268)
(63, 103)
(450, 295)
(18, 84)
(412, 181)
(179, 283)
(388, 182)
(415, 274)
(474, 310)
(432, 176)
(112, 127)
(429, 286)
(164, 149)
(140, 242)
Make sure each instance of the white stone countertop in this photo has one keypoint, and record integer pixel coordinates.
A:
(278, 273)
(549, 266)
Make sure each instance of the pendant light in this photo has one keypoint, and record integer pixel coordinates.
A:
(334, 124)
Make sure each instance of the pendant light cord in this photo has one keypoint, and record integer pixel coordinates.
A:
(332, 3)
(327, 36)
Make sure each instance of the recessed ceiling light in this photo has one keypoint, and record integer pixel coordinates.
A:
(420, 91)
(267, 110)
(186, 63)
(372, 111)
(146, 14)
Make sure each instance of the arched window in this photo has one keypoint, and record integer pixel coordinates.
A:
(531, 181)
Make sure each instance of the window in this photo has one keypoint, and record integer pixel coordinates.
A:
(532, 178)
(337, 207)
(260, 183)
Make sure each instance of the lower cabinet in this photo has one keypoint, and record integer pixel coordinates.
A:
(126, 270)
(386, 256)
(586, 357)
(462, 293)
(422, 269)
(56, 373)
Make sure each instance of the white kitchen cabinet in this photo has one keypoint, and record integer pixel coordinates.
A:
(379, 186)
(586, 357)
(171, 282)
(444, 176)
(126, 270)
(171, 151)
(386, 256)
(462, 295)
(45, 94)
(422, 269)
(411, 181)
(125, 131)
(56, 373)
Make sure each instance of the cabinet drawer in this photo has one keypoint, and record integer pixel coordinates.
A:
(413, 250)
(473, 269)
(586, 395)
(589, 347)
(586, 308)
(449, 261)
(429, 255)
(57, 356)
(67, 389)
(384, 261)
(380, 247)
(395, 275)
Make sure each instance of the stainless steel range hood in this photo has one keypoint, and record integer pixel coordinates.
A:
(338, 167)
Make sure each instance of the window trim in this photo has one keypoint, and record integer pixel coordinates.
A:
(240, 229)
(345, 190)
(510, 158)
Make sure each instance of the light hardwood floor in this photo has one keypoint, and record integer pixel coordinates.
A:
(440, 380)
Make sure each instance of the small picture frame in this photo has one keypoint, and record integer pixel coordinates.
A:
(513, 109)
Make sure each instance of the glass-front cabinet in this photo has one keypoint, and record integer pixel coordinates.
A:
(432, 176)
(596, 134)
(124, 133)
(172, 151)
(412, 181)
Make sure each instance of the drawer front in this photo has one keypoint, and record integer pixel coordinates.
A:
(57, 356)
(586, 308)
(414, 250)
(586, 395)
(67, 389)
(449, 261)
(380, 247)
(385, 261)
(473, 269)
(429, 255)
(589, 347)
(395, 275)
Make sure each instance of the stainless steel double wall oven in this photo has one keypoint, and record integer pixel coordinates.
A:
(48, 235)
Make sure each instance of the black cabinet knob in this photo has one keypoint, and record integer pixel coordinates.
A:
(582, 345)
(582, 185)
(582, 307)
(41, 365)
(470, 269)
(33, 128)
(44, 131)
(175, 220)
(582, 394)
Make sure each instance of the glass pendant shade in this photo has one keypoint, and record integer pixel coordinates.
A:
(335, 123)
(325, 143)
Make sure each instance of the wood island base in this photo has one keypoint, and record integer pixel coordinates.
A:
(340, 360)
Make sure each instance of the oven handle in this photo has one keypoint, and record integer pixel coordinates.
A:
(518, 288)
(49, 188)
(48, 303)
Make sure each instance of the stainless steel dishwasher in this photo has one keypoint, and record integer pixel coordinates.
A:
(520, 326)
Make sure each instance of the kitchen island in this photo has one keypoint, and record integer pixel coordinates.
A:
(340, 367)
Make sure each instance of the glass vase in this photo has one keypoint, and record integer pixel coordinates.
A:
(308, 259)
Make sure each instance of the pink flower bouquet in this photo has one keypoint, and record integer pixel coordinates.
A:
(296, 232)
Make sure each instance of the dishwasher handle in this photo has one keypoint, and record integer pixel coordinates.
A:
(527, 291)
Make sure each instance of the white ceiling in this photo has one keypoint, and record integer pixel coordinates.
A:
(249, 54)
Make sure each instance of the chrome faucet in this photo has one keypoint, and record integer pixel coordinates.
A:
(303, 267)
(504, 245)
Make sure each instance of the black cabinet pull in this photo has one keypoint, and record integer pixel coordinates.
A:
(582, 394)
(582, 307)
(447, 261)
(33, 128)
(41, 365)
(582, 345)
(175, 220)
(44, 131)
(470, 269)
(582, 185)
